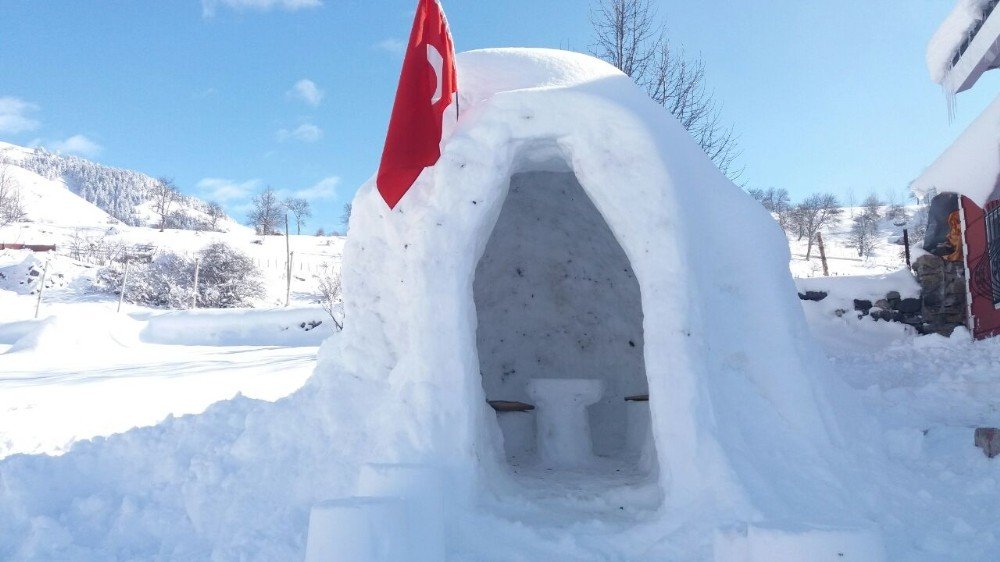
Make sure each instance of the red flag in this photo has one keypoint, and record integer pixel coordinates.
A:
(427, 86)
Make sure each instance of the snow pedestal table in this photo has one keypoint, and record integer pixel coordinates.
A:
(398, 515)
(563, 427)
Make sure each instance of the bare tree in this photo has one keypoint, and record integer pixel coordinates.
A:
(300, 210)
(164, 194)
(345, 217)
(330, 289)
(266, 212)
(215, 213)
(872, 205)
(816, 212)
(863, 233)
(11, 209)
(628, 37)
(320, 232)
(777, 202)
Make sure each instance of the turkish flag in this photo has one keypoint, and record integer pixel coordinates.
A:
(427, 86)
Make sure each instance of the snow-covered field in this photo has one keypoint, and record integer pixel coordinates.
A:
(842, 258)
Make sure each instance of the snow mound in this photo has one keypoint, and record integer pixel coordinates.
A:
(290, 327)
(85, 332)
(28, 268)
(971, 165)
(953, 31)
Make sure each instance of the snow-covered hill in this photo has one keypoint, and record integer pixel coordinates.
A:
(123, 194)
(842, 257)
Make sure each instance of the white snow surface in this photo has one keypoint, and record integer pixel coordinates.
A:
(753, 426)
(950, 35)
(971, 165)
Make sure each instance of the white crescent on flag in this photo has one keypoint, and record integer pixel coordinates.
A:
(437, 63)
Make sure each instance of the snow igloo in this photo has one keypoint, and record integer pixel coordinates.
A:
(574, 251)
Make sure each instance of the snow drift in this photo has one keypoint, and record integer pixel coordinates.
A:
(564, 200)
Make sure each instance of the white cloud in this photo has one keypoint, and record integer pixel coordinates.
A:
(392, 46)
(306, 90)
(76, 144)
(323, 189)
(208, 7)
(223, 190)
(14, 115)
(306, 133)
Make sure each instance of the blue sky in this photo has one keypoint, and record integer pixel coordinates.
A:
(227, 96)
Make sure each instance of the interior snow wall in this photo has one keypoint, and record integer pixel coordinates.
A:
(556, 297)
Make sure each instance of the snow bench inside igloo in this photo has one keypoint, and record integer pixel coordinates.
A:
(560, 331)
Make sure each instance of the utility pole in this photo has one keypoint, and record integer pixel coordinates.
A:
(288, 263)
(41, 287)
(822, 254)
(121, 297)
(194, 297)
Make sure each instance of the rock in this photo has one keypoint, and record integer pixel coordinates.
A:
(815, 296)
(862, 305)
(988, 439)
(892, 296)
(909, 306)
(882, 303)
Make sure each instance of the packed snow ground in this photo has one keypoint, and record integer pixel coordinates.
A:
(935, 495)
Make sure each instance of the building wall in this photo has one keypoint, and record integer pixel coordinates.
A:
(985, 321)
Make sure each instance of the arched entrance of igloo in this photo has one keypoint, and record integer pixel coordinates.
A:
(560, 321)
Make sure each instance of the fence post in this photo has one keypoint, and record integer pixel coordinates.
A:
(194, 297)
(822, 254)
(41, 287)
(906, 246)
(288, 287)
(121, 297)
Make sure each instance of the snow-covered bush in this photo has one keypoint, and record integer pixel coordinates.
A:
(331, 294)
(11, 209)
(227, 278)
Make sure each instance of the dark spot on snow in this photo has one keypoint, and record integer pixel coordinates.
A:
(474, 202)
(631, 343)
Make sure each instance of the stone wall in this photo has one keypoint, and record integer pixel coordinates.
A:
(943, 293)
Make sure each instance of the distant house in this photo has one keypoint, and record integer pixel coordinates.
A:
(964, 227)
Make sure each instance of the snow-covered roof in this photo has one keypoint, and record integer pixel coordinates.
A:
(971, 165)
(968, 31)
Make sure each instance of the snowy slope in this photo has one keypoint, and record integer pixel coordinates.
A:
(123, 194)
(51, 202)
(843, 259)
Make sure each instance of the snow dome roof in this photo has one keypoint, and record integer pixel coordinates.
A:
(727, 354)
(971, 165)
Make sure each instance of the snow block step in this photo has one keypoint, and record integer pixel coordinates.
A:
(421, 487)
(359, 530)
(762, 543)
